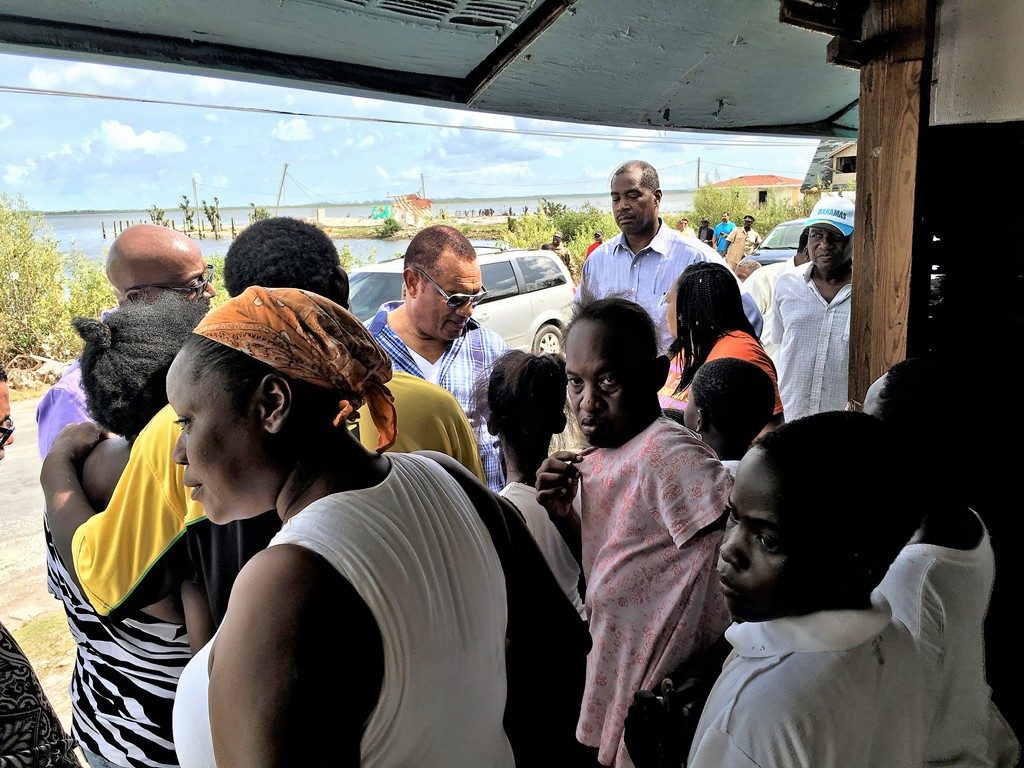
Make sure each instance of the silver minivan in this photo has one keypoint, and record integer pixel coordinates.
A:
(528, 302)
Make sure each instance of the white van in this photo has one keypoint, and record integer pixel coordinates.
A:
(528, 302)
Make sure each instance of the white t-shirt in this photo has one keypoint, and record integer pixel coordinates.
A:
(556, 552)
(829, 689)
(942, 596)
(415, 550)
(430, 370)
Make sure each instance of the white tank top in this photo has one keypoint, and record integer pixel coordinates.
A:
(418, 555)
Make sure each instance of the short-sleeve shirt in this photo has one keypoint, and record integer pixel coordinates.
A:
(721, 230)
(467, 358)
(652, 591)
(63, 404)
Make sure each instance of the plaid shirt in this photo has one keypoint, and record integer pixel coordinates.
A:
(466, 360)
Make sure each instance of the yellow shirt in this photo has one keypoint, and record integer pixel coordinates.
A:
(429, 418)
(149, 511)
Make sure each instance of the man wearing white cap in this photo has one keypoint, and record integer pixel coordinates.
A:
(811, 315)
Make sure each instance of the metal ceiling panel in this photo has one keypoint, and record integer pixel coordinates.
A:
(678, 64)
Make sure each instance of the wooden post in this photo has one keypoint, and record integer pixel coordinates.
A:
(103, 229)
(232, 226)
(894, 83)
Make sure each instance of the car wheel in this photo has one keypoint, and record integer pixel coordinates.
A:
(548, 340)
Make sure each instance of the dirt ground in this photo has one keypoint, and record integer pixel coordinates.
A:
(34, 617)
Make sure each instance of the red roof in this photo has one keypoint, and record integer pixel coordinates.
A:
(770, 180)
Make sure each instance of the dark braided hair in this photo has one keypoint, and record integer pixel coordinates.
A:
(126, 358)
(526, 398)
(708, 305)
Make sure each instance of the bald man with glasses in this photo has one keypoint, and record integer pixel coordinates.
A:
(432, 333)
(143, 262)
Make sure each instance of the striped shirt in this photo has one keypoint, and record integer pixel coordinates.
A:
(814, 339)
(467, 359)
(125, 676)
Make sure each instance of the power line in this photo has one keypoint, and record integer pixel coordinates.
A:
(710, 142)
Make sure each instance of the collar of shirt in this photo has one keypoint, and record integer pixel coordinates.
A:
(813, 632)
(659, 245)
(378, 321)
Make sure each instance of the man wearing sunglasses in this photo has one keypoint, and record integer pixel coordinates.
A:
(432, 333)
(143, 262)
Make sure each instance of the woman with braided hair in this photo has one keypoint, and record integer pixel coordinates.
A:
(705, 314)
(372, 630)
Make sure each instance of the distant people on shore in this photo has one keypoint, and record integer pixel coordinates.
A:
(721, 232)
(706, 233)
(6, 422)
(742, 241)
(684, 228)
(598, 242)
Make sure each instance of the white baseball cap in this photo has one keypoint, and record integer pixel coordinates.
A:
(834, 212)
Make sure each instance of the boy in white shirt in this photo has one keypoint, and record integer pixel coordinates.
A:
(819, 675)
(941, 582)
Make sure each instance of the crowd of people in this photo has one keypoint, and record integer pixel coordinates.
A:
(285, 537)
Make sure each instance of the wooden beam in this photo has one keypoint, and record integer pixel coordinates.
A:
(893, 108)
(844, 52)
(833, 17)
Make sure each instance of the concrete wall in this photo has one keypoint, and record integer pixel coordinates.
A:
(978, 62)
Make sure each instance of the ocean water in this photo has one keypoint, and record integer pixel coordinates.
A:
(85, 231)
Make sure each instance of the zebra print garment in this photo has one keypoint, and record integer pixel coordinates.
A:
(125, 676)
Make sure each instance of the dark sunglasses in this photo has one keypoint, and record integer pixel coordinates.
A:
(455, 300)
(191, 291)
(6, 430)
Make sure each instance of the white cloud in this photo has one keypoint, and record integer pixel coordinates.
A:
(412, 173)
(550, 151)
(289, 100)
(212, 117)
(335, 152)
(505, 169)
(382, 172)
(15, 173)
(349, 142)
(358, 102)
(122, 137)
(79, 73)
(292, 130)
(367, 141)
(220, 181)
(209, 85)
(207, 139)
(6, 121)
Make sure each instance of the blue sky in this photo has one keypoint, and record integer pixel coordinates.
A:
(72, 153)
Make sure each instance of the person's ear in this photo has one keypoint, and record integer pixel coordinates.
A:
(339, 281)
(273, 402)
(700, 417)
(412, 282)
(657, 196)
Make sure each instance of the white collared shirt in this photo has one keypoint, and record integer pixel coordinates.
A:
(761, 287)
(829, 689)
(814, 339)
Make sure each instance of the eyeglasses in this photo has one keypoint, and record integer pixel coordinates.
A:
(6, 430)
(151, 292)
(455, 300)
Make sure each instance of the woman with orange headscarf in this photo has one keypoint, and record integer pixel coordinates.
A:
(372, 630)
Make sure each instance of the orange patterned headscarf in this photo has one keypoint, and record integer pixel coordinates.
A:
(308, 337)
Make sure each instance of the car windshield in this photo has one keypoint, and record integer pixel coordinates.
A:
(785, 235)
(368, 290)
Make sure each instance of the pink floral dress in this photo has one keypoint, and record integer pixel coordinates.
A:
(652, 590)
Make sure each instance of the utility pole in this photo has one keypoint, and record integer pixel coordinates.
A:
(195, 197)
(280, 189)
(698, 174)
(423, 189)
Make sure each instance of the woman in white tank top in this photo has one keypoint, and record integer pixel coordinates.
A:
(372, 630)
